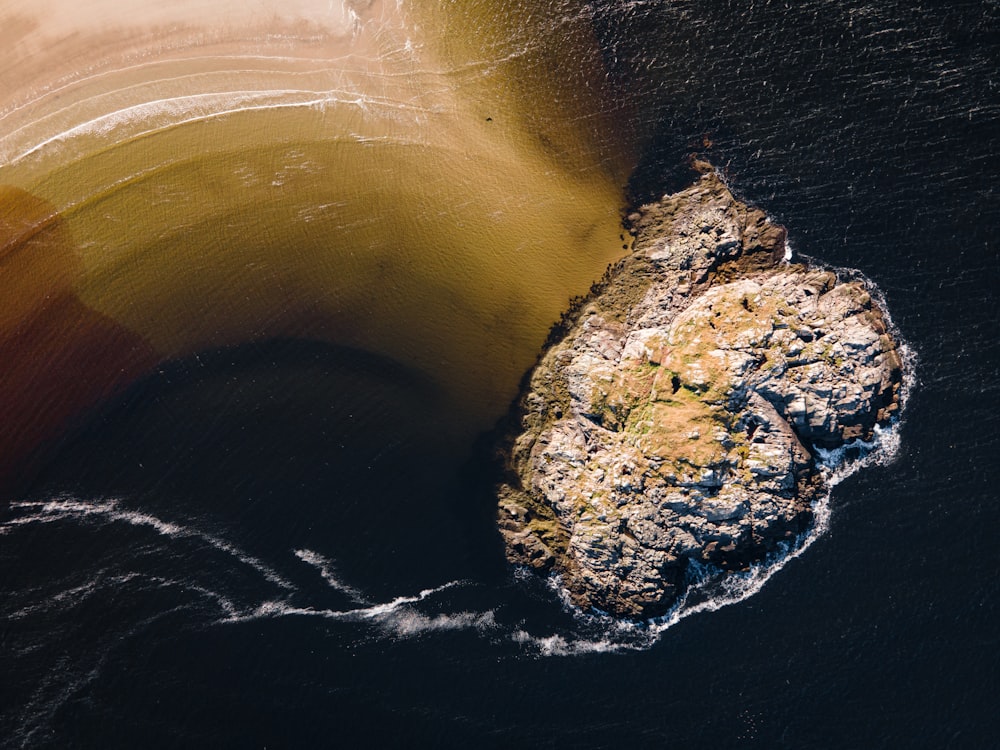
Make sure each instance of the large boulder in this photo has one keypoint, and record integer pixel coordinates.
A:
(678, 419)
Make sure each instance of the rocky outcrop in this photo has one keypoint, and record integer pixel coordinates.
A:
(677, 420)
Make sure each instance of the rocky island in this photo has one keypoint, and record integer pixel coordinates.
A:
(675, 425)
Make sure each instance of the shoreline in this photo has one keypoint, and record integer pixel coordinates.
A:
(677, 423)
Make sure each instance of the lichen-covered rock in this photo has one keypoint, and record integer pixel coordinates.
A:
(678, 418)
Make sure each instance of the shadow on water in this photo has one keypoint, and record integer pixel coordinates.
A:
(291, 445)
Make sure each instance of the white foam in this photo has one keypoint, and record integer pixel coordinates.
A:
(62, 89)
(278, 608)
(167, 113)
(601, 633)
(881, 450)
(557, 645)
(408, 623)
(398, 617)
(71, 596)
(67, 596)
(380, 609)
(62, 509)
(328, 572)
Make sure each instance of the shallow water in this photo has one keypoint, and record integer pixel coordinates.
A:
(386, 189)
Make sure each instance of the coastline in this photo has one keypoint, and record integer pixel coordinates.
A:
(674, 434)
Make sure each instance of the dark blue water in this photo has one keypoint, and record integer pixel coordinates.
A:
(272, 547)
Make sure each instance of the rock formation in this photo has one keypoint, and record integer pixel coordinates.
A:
(678, 419)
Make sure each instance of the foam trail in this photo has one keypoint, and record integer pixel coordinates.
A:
(50, 511)
(328, 571)
(408, 623)
(558, 645)
(277, 608)
(398, 617)
(70, 595)
(76, 594)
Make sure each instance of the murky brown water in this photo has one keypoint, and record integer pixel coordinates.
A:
(419, 181)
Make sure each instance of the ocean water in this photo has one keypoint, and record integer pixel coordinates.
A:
(285, 539)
